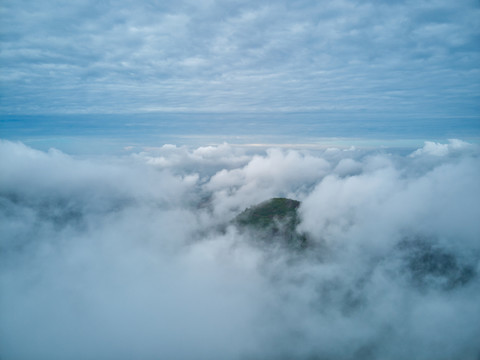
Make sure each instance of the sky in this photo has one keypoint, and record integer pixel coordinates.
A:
(408, 63)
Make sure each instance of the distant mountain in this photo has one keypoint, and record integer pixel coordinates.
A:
(274, 220)
(429, 266)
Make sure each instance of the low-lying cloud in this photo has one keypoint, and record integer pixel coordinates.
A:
(136, 257)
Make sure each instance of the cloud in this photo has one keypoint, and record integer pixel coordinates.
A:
(384, 202)
(122, 257)
(438, 149)
(277, 173)
(250, 56)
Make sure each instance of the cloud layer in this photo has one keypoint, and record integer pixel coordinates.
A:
(413, 57)
(134, 257)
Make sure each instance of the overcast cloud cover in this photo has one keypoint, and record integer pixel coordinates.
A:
(418, 58)
(133, 257)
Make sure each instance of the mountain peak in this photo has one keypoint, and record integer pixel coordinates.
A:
(276, 218)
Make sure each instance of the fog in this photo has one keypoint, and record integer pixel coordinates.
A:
(136, 257)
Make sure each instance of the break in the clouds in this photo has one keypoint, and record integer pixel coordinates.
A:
(135, 256)
(411, 57)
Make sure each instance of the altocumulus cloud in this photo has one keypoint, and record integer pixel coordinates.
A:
(124, 56)
(134, 257)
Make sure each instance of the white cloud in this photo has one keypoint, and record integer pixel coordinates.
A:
(120, 257)
(278, 173)
(439, 149)
(348, 167)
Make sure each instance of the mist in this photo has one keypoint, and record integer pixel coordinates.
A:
(136, 256)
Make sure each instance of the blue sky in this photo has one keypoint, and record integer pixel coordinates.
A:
(395, 60)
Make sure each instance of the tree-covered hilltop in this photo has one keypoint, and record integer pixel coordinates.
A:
(266, 213)
(274, 219)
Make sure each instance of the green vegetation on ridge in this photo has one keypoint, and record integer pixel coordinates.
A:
(276, 218)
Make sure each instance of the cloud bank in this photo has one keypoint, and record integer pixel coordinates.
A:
(134, 256)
